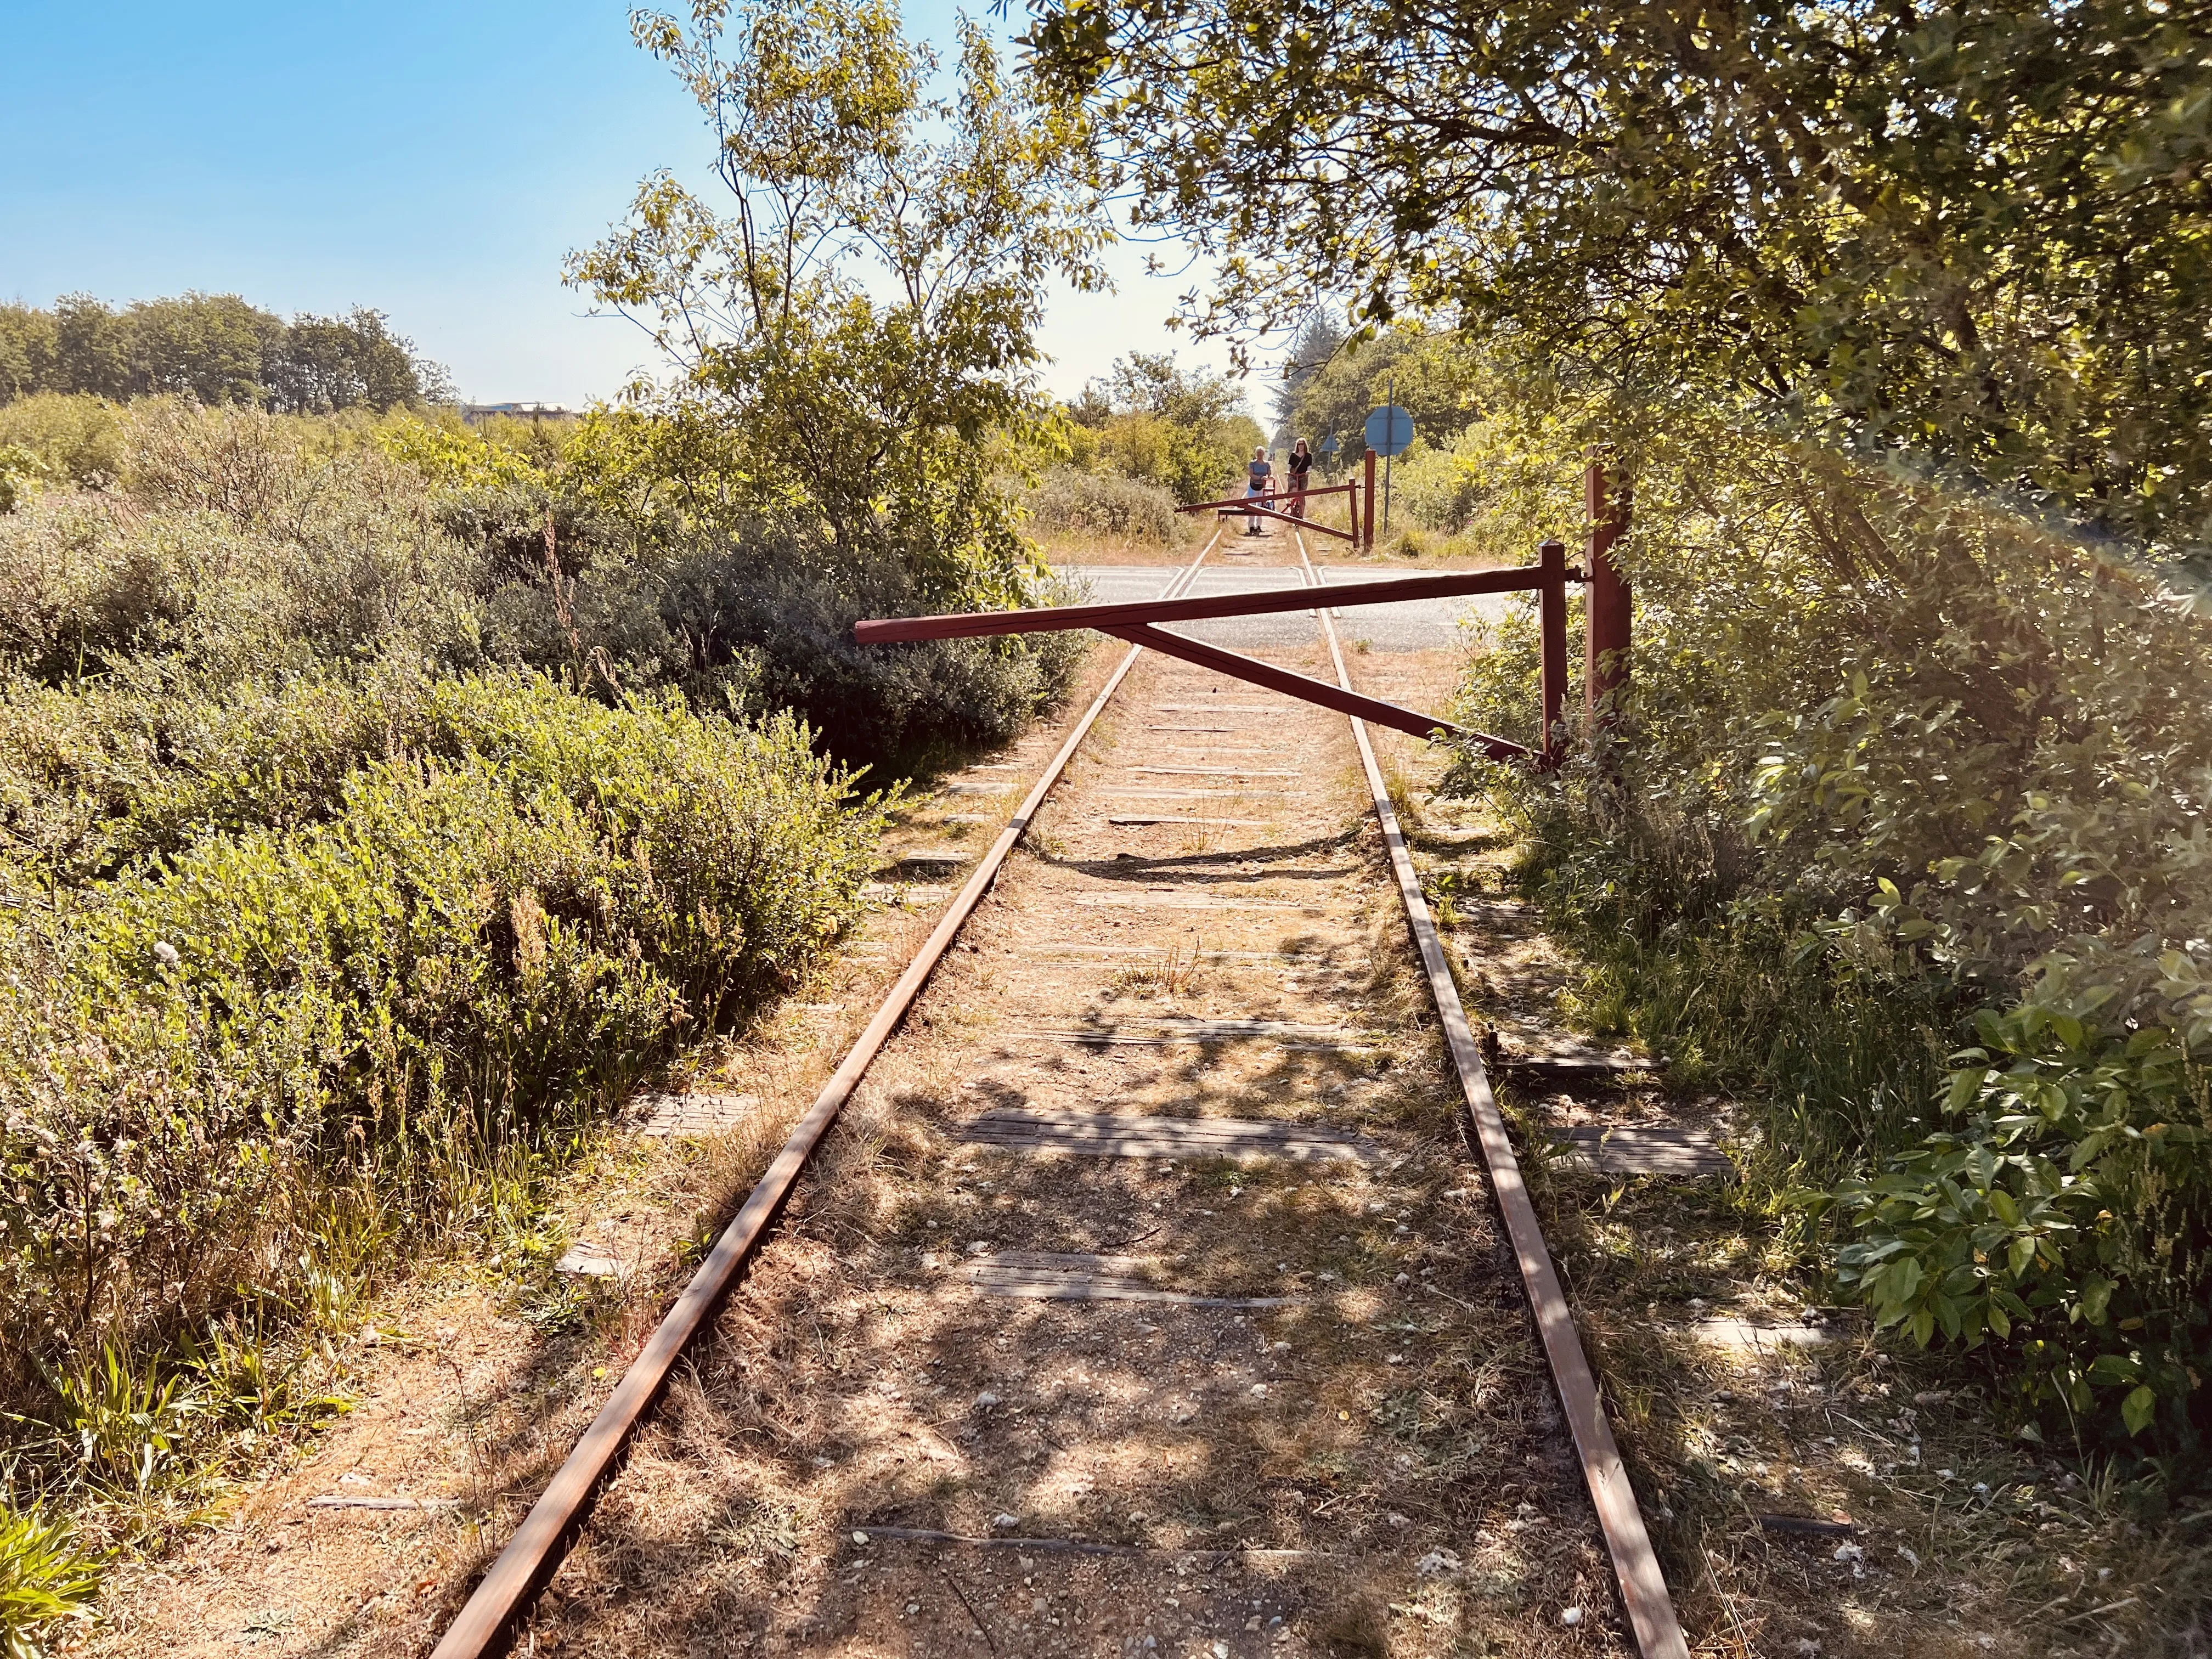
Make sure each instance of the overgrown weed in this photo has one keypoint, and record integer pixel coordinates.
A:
(1895, 838)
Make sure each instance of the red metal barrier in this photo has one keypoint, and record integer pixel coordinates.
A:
(1372, 709)
(1236, 502)
(1256, 506)
(1606, 667)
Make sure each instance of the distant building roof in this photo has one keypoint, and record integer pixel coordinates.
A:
(527, 411)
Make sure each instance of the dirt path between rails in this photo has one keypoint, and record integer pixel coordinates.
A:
(1366, 1460)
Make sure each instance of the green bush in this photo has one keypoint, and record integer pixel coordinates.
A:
(1070, 501)
(237, 550)
(246, 547)
(502, 919)
(377, 803)
(761, 619)
(72, 440)
(1904, 821)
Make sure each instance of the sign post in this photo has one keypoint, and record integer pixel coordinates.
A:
(1367, 502)
(1389, 432)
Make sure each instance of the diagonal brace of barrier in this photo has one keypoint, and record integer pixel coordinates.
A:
(1373, 709)
(1251, 508)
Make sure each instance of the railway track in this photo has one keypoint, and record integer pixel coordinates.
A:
(1170, 1289)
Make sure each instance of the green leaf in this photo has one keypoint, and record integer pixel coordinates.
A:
(2096, 1296)
(2113, 1368)
(1903, 1280)
(2138, 1408)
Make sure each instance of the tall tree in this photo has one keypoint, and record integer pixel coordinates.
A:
(323, 363)
(1315, 343)
(92, 348)
(1185, 429)
(214, 348)
(26, 350)
(861, 313)
(1976, 232)
(1153, 383)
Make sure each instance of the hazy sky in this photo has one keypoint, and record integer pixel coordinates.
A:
(433, 162)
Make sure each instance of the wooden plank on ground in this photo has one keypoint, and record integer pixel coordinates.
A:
(1139, 820)
(693, 1115)
(1125, 1134)
(1184, 901)
(1577, 1065)
(902, 893)
(1662, 1150)
(1164, 791)
(1053, 1276)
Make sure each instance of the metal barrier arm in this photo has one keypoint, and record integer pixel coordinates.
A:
(1138, 623)
(1228, 510)
(1272, 495)
(1311, 690)
(1107, 618)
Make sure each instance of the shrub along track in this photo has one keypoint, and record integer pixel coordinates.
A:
(1146, 1301)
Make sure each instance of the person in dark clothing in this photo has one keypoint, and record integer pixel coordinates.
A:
(1300, 463)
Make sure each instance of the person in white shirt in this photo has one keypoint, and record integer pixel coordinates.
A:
(1257, 474)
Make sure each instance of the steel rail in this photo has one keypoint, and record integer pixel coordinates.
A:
(1643, 1595)
(1134, 613)
(486, 1622)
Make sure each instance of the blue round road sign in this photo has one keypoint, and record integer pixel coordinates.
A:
(1390, 430)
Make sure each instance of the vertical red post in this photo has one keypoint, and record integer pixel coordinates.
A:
(1606, 625)
(1551, 563)
(1367, 505)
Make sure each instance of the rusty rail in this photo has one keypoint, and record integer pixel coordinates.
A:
(486, 1622)
(1644, 1595)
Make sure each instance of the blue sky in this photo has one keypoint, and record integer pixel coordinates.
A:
(434, 162)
